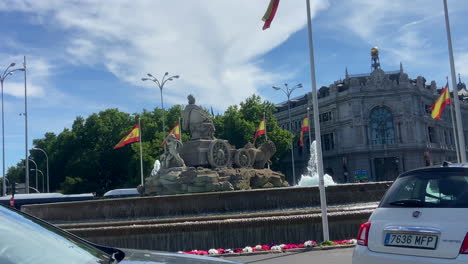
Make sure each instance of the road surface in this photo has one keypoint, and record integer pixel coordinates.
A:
(333, 256)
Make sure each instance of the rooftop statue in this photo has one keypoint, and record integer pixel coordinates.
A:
(196, 121)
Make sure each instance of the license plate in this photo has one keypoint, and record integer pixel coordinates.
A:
(411, 240)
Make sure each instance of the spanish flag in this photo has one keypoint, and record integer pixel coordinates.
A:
(132, 136)
(261, 130)
(305, 124)
(270, 13)
(439, 105)
(175, 130)
(304, 127)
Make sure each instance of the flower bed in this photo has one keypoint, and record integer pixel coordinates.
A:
(271, 248)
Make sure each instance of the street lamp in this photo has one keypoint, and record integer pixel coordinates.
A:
(288, 91)
(42, 178)
(36, 171)
(160, 84)
(6, 73)
(47, 162)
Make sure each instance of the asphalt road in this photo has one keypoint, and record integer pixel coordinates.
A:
(333, 256)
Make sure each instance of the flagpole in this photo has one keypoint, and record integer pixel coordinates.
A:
(266, 135)
(180, 131)
(26, 127)
(141, 153)
(461, 136)
(454, 126)
(318, 146)
(310, 136)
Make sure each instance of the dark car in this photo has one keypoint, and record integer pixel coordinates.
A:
(25, 239)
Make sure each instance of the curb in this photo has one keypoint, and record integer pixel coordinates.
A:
(294, 250)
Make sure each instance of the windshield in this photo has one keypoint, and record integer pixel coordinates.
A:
(437, 188)
(25, 240)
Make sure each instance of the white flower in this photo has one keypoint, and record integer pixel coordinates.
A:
(247, 250)
(309, 243)
(353, 241)
(258, 247)
(282, 246)
(275, 248)
(213, 251)
(228, 251)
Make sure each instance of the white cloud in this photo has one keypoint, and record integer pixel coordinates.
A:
(412, 32)
(38, 72)
(213, 45)
(80, 50)
(462, 65)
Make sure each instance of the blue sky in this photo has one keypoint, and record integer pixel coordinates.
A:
(86, 56)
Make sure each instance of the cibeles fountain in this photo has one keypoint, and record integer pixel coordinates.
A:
(206, 163)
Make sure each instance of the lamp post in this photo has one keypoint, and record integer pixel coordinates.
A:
(160, 84)
(310, 136)
(47, 164)
(42, 178)
(36, 172)
(6, 73)
(288, 91)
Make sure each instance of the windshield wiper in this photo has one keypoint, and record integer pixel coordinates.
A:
(408, 202)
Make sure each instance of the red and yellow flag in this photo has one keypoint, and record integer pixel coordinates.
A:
(270, 13)
(261, 130)
(439, 105)
(175, 130)
(304, 127)
(305, 124)
(132, 136)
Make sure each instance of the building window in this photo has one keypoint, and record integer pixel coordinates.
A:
(446, 136)
(328, 142)
(427, 109)
(381, 123)
(432, 134)
(325, 117)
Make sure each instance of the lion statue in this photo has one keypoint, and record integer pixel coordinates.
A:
(261, 156)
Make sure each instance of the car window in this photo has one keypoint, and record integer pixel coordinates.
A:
(25, 240)
(428, 190)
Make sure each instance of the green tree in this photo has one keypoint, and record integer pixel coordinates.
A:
(239, 124)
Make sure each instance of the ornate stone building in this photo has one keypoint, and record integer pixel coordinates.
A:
(375, 125)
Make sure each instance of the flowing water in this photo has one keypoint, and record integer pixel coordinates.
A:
(311, 178)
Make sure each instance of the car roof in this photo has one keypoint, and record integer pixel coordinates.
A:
(129, 191)
(446, 167)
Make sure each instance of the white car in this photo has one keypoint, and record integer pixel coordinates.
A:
(423, 218)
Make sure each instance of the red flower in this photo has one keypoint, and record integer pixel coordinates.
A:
(221, 251)
(266, 247)
(290, 246)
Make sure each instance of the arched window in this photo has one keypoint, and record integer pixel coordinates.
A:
(381, 123)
